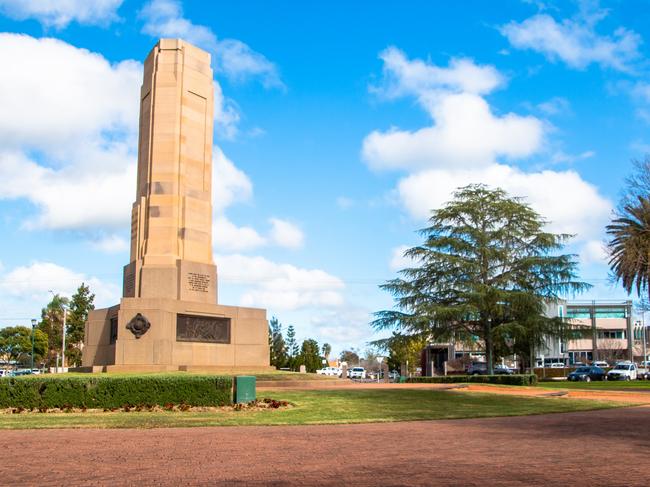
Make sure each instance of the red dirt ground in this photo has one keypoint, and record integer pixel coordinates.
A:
(608, 447)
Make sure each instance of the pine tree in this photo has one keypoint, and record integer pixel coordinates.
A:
(292, 347)
(277, 344)
(484, 273)
(310, 355)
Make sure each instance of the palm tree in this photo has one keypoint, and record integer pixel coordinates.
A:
(629, 247)
(327, 349)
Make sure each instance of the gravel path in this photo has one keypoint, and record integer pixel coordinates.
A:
(608, 447)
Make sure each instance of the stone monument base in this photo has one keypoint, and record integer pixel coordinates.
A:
(158, 335)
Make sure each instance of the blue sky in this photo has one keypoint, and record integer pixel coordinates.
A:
(338, 126)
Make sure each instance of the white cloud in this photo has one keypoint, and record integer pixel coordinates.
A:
(398, 260)
(229, 184)
(593, 252)
(110, 244)
(228, 237)
(56, 95)
(33, 283)
(564, 198)
(164, 18)
(343, 328)
(466, 134)
(415, 77)
(70, 197)
(468, 143)
(286, 234)
(575, 41)
(59, 13)
(555, 106)
(280, 286)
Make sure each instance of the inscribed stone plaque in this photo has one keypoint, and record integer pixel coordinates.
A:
(198, 282)
(211, 329)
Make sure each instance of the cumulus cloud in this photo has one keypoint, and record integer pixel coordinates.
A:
(466, 134)
(34, 281)
(580, 209)
(286, 234)
(416, 77)
(235, 59)
(575, 41)
(110, 244)
(469, 143)
(593, 252)
(85, 95)
(59, 13)
(280, 286)
(228, 237)
(229, 184)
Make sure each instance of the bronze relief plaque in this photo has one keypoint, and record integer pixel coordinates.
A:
(210, 329)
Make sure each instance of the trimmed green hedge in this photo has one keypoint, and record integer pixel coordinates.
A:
(114, 392)
(512, 380)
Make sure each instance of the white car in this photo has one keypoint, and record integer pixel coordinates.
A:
(556, 365)
(623, 371)
(357, 373)
(4, 373)
(600, 363)
(335, 371)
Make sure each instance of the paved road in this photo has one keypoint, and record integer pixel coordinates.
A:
(594, 448)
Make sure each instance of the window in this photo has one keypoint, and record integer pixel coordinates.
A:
(113, 330)
(560, 311)
(612, 334)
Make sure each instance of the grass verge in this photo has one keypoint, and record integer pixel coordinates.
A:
(321, 407)
(606, 385)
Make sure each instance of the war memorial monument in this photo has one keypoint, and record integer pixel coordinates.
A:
(168, 318)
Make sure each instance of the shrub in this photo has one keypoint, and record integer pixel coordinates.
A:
(512, 380)
(114, 392)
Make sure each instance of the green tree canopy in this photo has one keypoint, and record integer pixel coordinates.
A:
(278, 346)
(81, 304)
(310, 355)
(16, 344)
(52, 325)
(484, 273)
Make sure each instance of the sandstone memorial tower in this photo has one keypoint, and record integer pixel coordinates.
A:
(168, 318)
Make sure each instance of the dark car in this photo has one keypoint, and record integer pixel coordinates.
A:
(587, 374)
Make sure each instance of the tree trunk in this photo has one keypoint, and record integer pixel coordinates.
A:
(489, 346)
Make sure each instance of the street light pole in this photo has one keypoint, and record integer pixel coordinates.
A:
(65, 316)
(33, 331)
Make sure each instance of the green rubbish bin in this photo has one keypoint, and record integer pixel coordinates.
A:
(244, 389)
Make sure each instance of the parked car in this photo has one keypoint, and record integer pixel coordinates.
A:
(556, 365)
(357, 373)
(477, 368)
(335, 371)
(579, 364)
(393, 375)
(600, 363)
(503, 370)
(4, 373)
(587, 374)
(623, 371)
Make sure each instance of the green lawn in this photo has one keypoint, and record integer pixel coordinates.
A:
(320, 407)
(633, 385)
